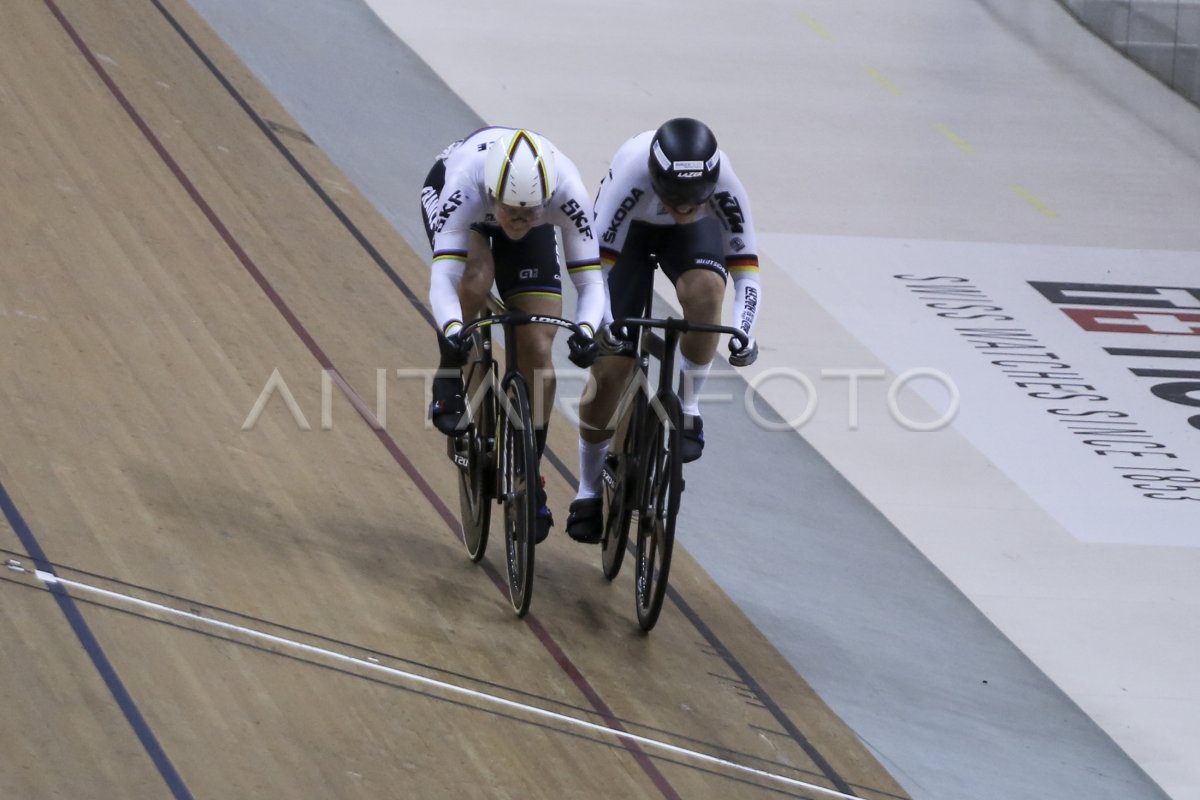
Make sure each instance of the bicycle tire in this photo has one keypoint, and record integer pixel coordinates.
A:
(617, 489)
(519, 494)
(661, 486)
(474, 456)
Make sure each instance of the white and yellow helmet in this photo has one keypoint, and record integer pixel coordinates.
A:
(519, 171)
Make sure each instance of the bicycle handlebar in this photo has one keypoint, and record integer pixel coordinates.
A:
(683, 326)
(518, 318)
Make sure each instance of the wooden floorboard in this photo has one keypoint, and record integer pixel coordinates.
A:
(162, 258)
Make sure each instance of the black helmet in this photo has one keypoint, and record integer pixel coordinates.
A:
(684, 162)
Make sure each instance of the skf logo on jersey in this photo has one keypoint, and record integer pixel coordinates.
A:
(452, 204)
(627, 205)
(731, 209)
(578, 216)
(1139, 310)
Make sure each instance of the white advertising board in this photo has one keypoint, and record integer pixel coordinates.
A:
(1078, 369)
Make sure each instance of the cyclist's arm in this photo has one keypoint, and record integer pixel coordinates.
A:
(592, 304)
(741, 251)
(461, 208)
(448, 268)
(575, 216)
(747, 294)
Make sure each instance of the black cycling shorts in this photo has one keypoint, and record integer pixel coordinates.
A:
(527, 266)
(676, 249)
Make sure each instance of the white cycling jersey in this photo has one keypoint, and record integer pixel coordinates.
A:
(626, 196)
(463, 201)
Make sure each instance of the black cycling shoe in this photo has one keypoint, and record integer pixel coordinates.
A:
(545, 520)
(585, 523)
(691, 438)
(448, 407)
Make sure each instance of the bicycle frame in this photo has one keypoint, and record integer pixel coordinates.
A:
(645, 473)
(496, 453)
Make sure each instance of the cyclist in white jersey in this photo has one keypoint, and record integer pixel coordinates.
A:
(671, 197)
(491, 202)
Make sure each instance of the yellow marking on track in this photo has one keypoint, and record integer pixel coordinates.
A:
(959, 142)
(884, 82)
(816, 27)
(1033, 200)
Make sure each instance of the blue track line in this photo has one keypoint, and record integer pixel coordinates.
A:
(90, 644)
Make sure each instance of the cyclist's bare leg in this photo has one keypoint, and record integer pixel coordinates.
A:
(533, 352)
(534, 362)
(701, 293)
(598, 409)
(601, 397)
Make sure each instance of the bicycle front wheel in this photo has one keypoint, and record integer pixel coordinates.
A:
(519, 492)
(617, 489)
(474, 454)
(661, 486)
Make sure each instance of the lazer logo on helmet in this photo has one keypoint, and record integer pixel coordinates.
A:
(688, 174)
(627, 205)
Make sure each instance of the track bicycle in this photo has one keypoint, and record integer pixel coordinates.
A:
(643, 474)
(495, 453)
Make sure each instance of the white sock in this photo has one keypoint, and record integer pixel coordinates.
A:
(693, 382)
(591, 466)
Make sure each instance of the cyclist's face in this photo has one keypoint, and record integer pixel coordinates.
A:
(516, 222)
(682, 214)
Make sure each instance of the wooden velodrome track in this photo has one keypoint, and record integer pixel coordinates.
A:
(191, 609)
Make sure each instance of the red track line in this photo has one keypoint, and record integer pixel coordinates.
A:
(535, 626)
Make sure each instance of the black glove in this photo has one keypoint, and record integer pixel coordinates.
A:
(583, 349)
(745, 356)
(611, 343)
(455, 348)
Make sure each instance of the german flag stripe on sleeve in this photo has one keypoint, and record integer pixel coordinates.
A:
(742, 263)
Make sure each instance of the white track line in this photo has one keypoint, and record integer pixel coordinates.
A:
(450, 688)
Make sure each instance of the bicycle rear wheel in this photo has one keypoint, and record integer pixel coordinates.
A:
(617, 489)
(661, 486)
(474, 455)
(519, 493)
